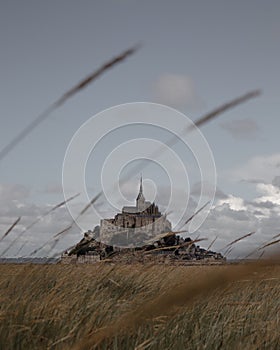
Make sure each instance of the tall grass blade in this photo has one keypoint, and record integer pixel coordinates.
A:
(199, 122)
(81, 85)
(239, 239)
(223, 108)
(269, 244)
(11, 228)
(59, 205)
(197, 212)
(211, 244)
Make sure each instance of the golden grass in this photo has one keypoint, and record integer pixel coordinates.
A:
(139, 307)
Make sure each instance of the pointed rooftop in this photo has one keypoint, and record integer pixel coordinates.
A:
(140, 194)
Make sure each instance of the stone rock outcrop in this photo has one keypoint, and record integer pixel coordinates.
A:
(165, 248)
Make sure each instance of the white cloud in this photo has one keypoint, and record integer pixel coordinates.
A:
(270, 193)
(176, 91)
(233, 217)
(234, 203)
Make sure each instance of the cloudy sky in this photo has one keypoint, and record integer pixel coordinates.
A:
(195, 55)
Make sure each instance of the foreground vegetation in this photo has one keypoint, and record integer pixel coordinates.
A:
(139, 307)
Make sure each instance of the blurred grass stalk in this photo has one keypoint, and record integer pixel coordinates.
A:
(68, 94)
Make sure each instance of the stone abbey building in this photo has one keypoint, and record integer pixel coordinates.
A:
(135, 224)
(139, 233)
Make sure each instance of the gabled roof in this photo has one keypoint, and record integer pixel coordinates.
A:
(130, 210)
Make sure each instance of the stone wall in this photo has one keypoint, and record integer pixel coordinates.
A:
(82, 259)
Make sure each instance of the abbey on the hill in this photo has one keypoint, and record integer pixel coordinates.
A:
(138, 234)
(135, 223)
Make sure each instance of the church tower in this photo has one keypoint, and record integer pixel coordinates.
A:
(140, 200)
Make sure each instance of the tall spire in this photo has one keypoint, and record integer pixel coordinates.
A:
(141, 185)
(140, 200)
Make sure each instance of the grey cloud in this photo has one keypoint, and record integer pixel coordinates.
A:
(208, 188)
(53, 189)
(40, 233)
(13, 191)
(266, 204)
(176, 90)
(229, 224)
(14, 203)
(225, 210)
(259, 169)
(242, 128)
(254, 181)
(220, 194)
(276, 181)
(258, 212)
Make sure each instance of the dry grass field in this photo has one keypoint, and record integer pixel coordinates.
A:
(139, 307)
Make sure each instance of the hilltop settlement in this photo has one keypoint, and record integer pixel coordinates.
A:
(139, 233)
